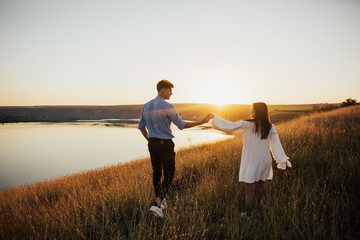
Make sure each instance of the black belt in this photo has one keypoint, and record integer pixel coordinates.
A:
(160, 140)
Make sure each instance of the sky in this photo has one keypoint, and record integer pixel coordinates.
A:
(77, 52)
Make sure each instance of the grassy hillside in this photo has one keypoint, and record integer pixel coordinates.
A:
(317, 199)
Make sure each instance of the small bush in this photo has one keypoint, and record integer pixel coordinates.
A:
(348, 102)
(324, 108)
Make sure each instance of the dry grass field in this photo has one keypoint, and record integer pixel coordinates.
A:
(318, 198)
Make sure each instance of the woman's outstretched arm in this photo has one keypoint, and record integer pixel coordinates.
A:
(223, 125)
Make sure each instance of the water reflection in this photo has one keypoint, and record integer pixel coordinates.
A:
(31, 152)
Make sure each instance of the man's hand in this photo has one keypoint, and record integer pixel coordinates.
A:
(145, 134)
(210, 116)
(193, 124)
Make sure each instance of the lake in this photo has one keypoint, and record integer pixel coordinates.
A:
(31, 152)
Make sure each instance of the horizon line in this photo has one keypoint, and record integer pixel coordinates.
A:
(135, 104)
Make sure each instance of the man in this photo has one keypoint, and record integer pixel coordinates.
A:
(154, 124)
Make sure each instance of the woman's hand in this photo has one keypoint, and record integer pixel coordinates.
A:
(207, 118)
(283, 165)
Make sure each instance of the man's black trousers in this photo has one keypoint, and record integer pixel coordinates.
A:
(162, 156)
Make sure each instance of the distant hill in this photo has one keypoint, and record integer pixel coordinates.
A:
(188, 111)
(68, 113)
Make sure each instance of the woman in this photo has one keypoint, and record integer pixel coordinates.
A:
(259, 138)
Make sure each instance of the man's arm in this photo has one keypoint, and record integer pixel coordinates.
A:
(145, 134)
(193, 124)
(175, 118)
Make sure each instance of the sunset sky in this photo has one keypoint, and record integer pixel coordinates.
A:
(73, 52)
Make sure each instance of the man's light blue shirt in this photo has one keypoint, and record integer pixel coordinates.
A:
(157, 116)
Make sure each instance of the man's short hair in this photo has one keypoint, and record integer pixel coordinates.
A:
(164, 84)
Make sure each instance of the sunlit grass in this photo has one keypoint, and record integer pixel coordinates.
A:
(317, 199)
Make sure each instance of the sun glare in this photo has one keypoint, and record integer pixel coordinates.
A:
(220, 96)
(219, 87)
(220, 101)
(220, 104)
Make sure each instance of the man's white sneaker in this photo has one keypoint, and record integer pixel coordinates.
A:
(243, 215)
(158, 211)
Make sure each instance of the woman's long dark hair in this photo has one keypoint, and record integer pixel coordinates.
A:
(261, 119)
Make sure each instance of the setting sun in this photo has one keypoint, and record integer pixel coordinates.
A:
(222, 94)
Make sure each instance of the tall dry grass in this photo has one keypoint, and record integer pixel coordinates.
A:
(317, 199)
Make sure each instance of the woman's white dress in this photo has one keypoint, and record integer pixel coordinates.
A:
(256, 159)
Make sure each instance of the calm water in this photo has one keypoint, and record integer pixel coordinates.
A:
(31, 152)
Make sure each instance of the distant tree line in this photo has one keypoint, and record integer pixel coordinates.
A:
(187, 111)
(328, 107)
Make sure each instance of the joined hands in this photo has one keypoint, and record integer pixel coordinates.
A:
(207, 118)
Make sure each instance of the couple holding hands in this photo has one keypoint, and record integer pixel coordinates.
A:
(259, 138)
